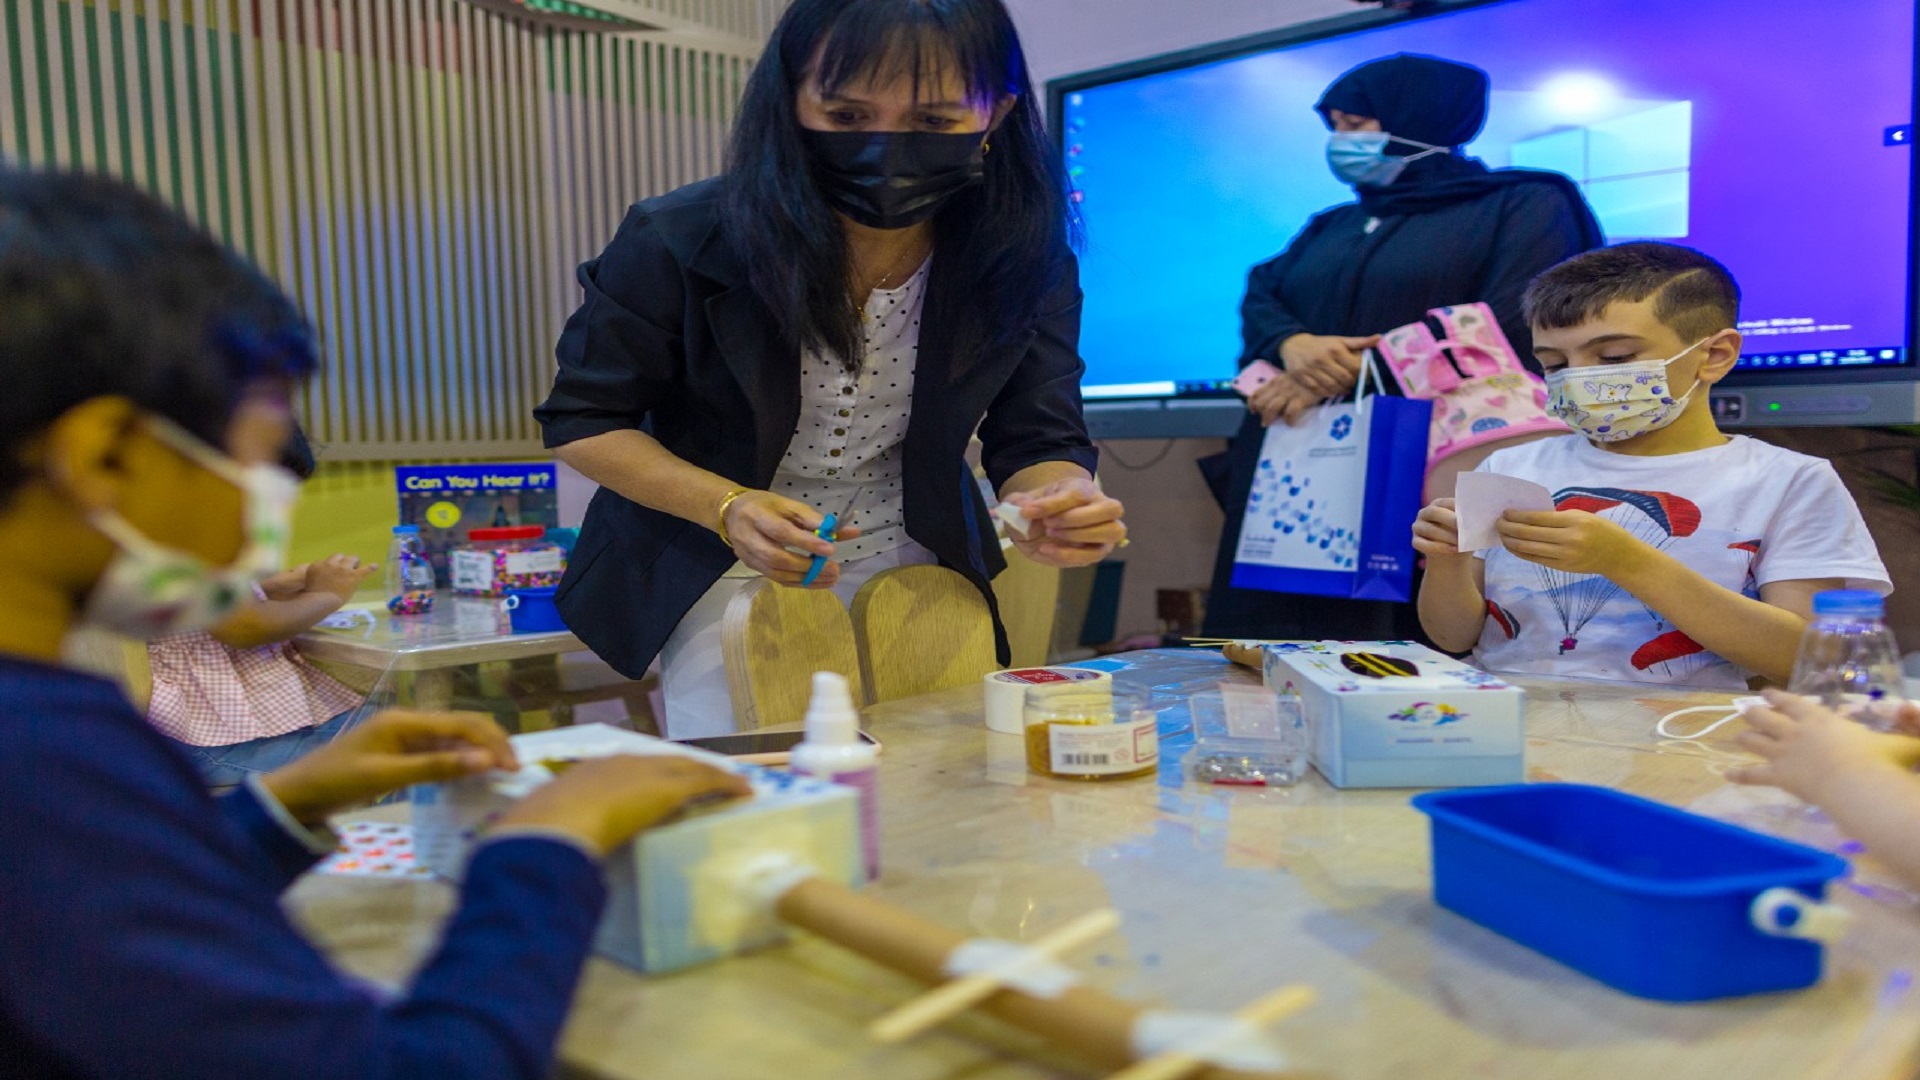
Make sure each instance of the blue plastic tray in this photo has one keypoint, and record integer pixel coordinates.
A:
(1648, 899)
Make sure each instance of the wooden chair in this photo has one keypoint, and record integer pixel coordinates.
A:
(921, 629)
(111, 656)
(1029, 596)
(773, 639)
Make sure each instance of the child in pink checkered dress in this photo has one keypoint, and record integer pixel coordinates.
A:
(240, 697)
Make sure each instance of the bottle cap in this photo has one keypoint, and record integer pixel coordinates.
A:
(1849, 604)
(831, 718)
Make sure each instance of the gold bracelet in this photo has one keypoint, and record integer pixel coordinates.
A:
(726, 501)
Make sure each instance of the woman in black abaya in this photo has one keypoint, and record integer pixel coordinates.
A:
(1431, 227)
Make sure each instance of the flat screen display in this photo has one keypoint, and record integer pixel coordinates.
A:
(1775, 136)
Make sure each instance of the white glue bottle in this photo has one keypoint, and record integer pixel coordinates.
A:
(833, 750)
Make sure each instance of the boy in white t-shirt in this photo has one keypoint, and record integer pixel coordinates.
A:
(1677, 554)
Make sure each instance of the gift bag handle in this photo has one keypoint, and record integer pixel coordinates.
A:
(1367, 374)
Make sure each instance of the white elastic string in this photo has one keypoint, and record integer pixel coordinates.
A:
(1734, 709)
(1732, 714)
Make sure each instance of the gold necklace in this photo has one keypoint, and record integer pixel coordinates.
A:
(859, 303)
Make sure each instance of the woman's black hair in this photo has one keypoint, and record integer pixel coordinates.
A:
(1004, 240)
(105, 291)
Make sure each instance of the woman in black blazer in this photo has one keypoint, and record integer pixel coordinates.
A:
(882, 268)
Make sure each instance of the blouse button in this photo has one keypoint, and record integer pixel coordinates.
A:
(839, 431)
(834, 452)
(846, 412)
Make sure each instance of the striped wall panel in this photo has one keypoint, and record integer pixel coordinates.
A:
(423, 175)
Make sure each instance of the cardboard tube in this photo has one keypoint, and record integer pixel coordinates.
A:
(1089, 1021)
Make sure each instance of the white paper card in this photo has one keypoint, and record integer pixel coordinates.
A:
(1015, 520)
(1481, 498)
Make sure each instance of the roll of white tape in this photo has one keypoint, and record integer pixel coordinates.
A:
(1007, 692)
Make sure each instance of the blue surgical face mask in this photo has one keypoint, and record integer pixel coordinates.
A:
(1360, 157)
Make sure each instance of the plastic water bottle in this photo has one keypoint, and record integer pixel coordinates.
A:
(832, 750)
(1848, 659)
(409, 573)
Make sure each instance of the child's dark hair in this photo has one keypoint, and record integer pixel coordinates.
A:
(297, 456)
(105, 291)
(1694, 294)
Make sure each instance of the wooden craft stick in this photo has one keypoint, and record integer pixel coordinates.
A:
(1085, 1019)
(963, 993)
(1175, 1064)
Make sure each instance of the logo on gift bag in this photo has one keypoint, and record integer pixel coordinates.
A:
(1342, 427)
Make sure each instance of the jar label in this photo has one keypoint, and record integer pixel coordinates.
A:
(1104, 749)
(472, 571)
(1041, 676)
(538, 561)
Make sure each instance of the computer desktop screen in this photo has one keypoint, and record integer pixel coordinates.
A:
(1773, 135)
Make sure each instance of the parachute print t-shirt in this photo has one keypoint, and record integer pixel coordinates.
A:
(1742, 515)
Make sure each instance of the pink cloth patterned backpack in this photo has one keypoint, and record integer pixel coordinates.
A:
(1481, 393)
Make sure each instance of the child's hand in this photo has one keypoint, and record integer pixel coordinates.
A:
(286, 584)
(605, 801)
(386, 752)
(1570, 540)
(1810, 748)
(339, 575)
(1436, 532)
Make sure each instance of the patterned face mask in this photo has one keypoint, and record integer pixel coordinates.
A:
(1619, 401)
(150, 589)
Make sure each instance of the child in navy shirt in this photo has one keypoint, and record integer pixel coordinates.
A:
(147, 373)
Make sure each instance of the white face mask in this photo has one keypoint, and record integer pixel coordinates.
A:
(1618, 401)
(149, 589)
(1360, 157)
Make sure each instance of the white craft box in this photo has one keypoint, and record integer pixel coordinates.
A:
(667, 905)
(1447, 724)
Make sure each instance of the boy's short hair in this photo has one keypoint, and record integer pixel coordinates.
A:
(105, 291)
(1695, 295)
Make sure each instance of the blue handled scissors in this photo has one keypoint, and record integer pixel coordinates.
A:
(826, 532)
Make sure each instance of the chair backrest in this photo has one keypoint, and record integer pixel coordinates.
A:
(111, 656)
(921, 629)
(1029, 596)
(773, 638)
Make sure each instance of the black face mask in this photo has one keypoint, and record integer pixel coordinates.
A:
(893, 179)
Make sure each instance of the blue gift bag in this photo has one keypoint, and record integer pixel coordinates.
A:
(1332, 507)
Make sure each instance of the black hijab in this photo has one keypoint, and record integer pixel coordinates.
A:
(1440, 103)
(1423, 98)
